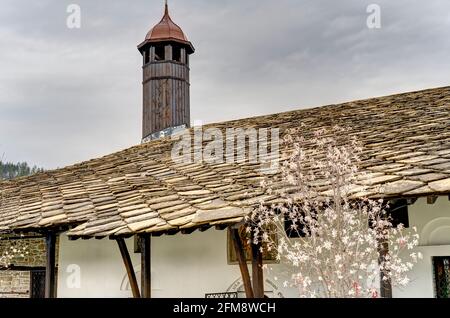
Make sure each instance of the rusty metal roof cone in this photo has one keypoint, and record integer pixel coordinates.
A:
(166, 29)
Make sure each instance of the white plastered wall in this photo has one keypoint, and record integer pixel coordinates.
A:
(196, 264)
(433, 225)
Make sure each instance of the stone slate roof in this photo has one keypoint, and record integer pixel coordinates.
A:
(406, 141)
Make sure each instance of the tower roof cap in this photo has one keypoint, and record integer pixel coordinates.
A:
(166, 31)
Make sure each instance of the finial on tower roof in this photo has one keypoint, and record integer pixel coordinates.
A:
(167, 31)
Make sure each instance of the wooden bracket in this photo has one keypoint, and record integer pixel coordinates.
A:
(431, 199)
(129, 267)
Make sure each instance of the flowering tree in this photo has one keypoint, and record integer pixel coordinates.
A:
(339, 234)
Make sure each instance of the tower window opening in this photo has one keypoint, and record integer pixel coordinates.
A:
(160, 54)
(177, 54)
(147, 56)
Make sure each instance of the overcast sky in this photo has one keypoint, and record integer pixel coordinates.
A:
(68, 95)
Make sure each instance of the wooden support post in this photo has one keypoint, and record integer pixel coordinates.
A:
(146, 280)
(257, 271)
(129, 267)
(50, 267)
(152, 54)
(183, 55)
(238, 248)
(385, 285)
(169, 52)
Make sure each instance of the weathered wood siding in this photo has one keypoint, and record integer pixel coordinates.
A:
(166, 96)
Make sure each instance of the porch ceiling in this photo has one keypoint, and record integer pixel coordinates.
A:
(406, 141)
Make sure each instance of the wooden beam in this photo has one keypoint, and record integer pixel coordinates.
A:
(146, 279)
(204, 228)
(238, 225)
(385, 285)
(431, 199)
(129, 267)
(221, 227)
(21, 268)
(50, 266)
(238, 248)
(188, 231)
(257, 271)
(16, 238)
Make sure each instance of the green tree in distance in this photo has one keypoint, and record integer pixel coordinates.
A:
(9, 170)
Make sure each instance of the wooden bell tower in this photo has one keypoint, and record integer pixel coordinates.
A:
(166, 98)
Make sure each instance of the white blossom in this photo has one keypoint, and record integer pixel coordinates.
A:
(337, 254)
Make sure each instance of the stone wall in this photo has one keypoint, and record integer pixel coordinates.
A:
(16, 283)
(34, 255)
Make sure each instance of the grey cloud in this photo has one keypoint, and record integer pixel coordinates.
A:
(70, 95)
